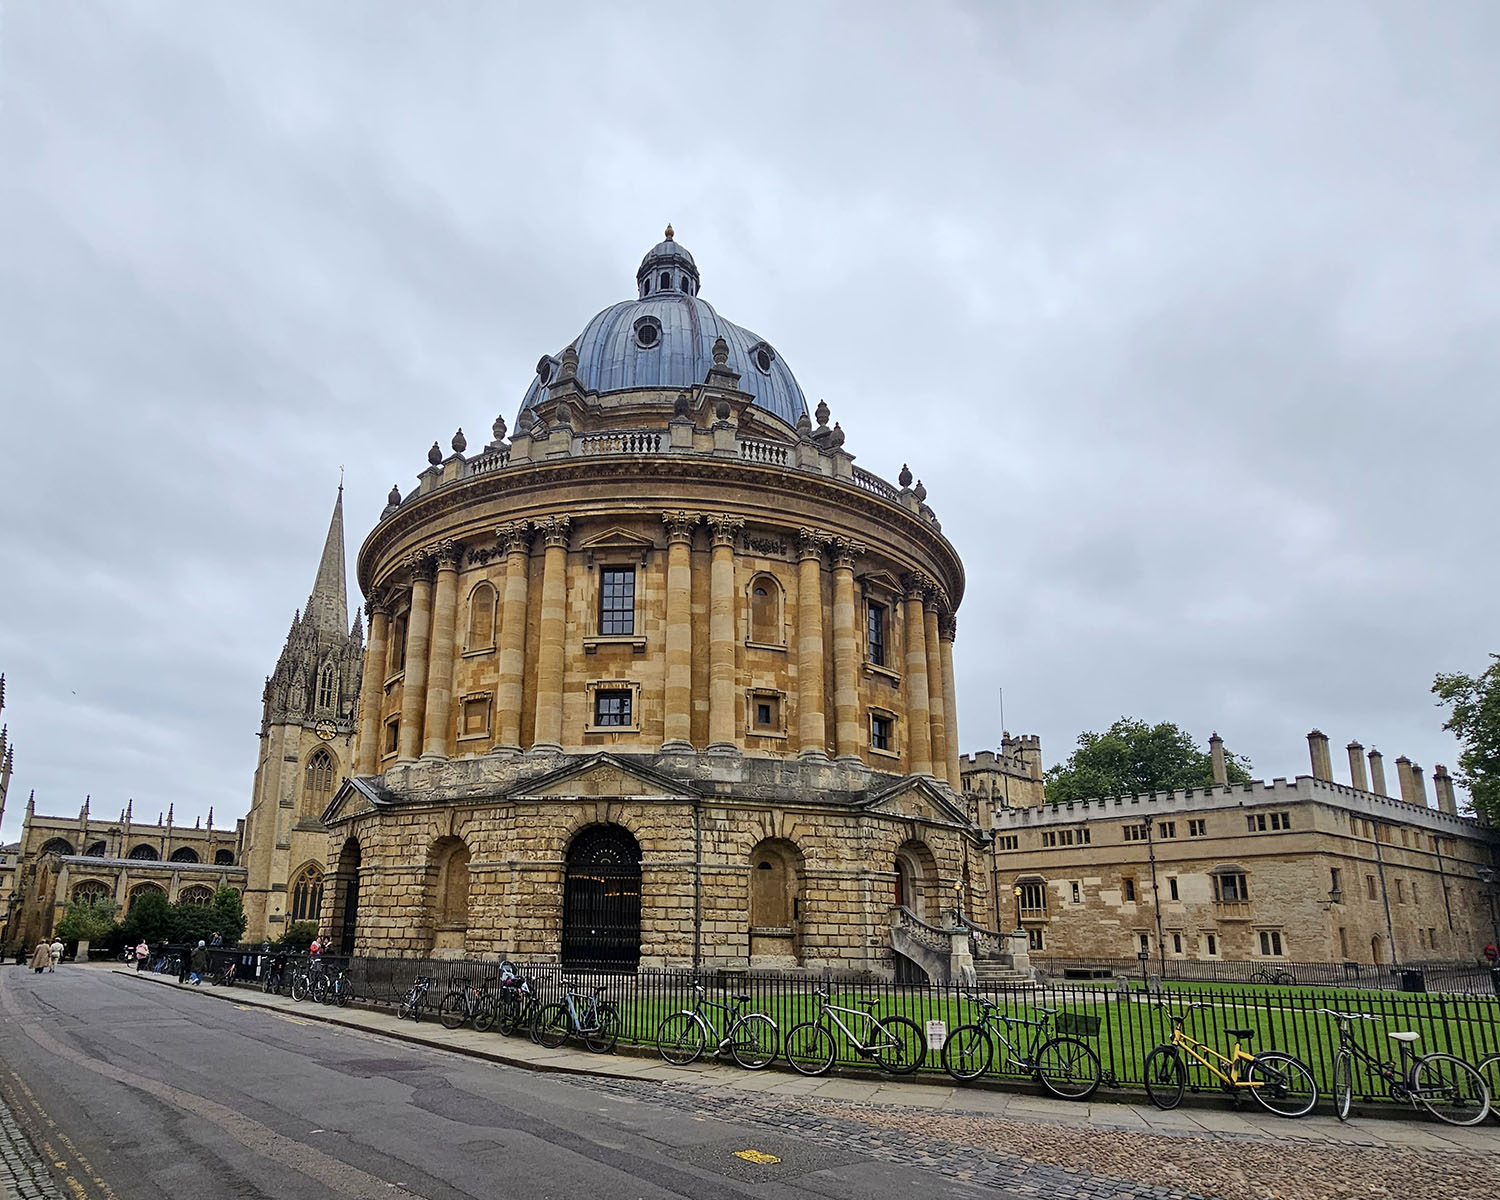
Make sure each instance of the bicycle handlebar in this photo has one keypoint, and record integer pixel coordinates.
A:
(1343, 1016)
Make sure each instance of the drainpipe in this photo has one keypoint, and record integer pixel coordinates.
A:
(1443, 880)
(1161, 945)
(697, 885)
(1385, 897)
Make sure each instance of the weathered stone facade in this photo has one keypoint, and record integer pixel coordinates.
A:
(671, 607)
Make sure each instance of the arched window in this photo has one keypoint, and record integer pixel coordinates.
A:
(199, 895)
(319, 783)
(397, 657)
(97, 850)
(144, 851)
(685, 286)
(224, 858)
(58, 846)
(91, 891)
(765, 611)
(307, 894)
(185, 854)
(143, 889)
(666, 281)
(328, 685)
(647, 286)
(481, 618)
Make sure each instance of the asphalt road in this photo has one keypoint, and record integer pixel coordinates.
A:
(140, 1091)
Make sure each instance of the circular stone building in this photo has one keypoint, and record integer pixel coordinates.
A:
(664, 679)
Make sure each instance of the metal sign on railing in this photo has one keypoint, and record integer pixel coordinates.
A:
(937, 1034)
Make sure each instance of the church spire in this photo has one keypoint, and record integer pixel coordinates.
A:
(328, 606)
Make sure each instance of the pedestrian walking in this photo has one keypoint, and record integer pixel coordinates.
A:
(41, 957)
(142, 953)
(56, 950)
(200, 963)
(1491, 953)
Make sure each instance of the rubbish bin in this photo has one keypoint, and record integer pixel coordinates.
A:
(1413, 981)
(1495, 979)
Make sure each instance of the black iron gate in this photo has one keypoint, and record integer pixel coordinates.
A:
(602, 899)
(349, 862)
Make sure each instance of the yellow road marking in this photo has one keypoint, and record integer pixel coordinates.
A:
(759, 1157)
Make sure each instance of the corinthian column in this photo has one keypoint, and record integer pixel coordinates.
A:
(811, 726)
(551, 630)
(721, 634)
(677, 725)
(371, 683)
(418, 630)
(845, 650)
(937, 707)
(515, 539)
(947, 631)
(437, 736)
(918, 715)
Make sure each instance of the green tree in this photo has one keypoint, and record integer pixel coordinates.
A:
(91, 920)
(298, 936)
(1134, 757)
(224, 914)
(1474, 701)
(150, 917)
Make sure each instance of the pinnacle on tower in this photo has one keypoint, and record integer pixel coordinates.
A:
(328, 606)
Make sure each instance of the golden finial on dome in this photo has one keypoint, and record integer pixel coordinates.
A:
(669, 231)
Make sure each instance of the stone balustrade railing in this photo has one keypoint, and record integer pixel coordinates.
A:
(618, 441)
(921, 931)
(873, 483)
(764, 452)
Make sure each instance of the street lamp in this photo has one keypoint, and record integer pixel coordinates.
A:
(1019, 927)
(958, 903)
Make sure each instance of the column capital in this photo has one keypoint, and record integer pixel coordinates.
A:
(378, 601)
(422, 565)
(680, 526)
(724, 528)
(554, 531)
(447, 554)
(845, 551)
(917, 585)
(514, 537)
(812, 543)
(947, 627)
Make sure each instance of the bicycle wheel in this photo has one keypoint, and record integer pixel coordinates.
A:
(1166, 1077)
(269, 983)
(300, 987)
(320, 989)
(453, 1011)
(902, 1047)
(1287, 1087)
(1343, 1085)
(508, 1012)
(809, 1048)
(551, 1026)
(343, 992)
(1489, 1071)
(968, 1052)
(484, 1014)
(1261, 977)
(602, 1037)
(1449, 1089)
(679, 1039)
(1068, 1069)
(755, 1041)
(1285, 977)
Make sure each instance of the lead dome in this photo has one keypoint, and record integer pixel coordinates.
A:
(663, 341)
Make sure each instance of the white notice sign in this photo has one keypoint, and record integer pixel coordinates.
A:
(937, 1034)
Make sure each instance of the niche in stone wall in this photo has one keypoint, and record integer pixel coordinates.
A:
(776, 870)
(448, 895)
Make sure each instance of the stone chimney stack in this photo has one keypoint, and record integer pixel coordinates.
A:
(1418, 787)
(1442, 782)
(1216, 757)
(1357, 777)
(1317, 749)
(1404, 780)
(1377, 773)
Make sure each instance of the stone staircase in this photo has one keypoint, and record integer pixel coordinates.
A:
(963, 953)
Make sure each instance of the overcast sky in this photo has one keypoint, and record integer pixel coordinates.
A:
(1185, 314)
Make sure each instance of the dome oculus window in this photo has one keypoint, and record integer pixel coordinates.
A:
(647, 333)
(544, 369)
(762, 356)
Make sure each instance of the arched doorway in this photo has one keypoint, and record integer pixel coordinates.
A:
(602, 899)
(775, 904)
(1377, 950)
(916, 877)
(348, 924)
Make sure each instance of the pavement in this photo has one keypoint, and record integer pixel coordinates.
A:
(933, 1093)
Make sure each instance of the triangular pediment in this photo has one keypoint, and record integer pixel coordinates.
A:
(920, 799)
(354, 798)
(604, 776)
(881, 581)
(619, 543)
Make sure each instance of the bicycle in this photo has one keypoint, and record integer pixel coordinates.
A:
(895, 1044)
(227, 975)
(1280, 1082)
(465, 1002)
(594, 1020)
(1268, 975)
(1447, 1087)
(273, 978)
(1063, 1065)
(416, 997)
(307, 980)
(1489, 1071)
(517, 1006)
(752, 1038)
(332, 988)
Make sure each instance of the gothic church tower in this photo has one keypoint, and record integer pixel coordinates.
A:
(306, 742)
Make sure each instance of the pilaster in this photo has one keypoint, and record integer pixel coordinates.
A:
(937, 706)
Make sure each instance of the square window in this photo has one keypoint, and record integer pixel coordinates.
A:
(881, 733)
(612, 708)
(765, 713)
(617, 601)
(1255, 822)
(1166, 829)
(875, 632)
(1197, 828)
(1229, 888)
(1008, 841)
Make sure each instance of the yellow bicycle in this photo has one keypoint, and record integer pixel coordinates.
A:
(1281, 1082)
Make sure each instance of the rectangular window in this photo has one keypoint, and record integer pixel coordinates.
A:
(1335, 884)
(1229, 888)
(616, 601)
(1432, 937)
(1400, 891)
(612, 708)
(1270, 943)
(1177, 943)
(1036, 939)
(1135, 833)
(1197, 828)
(476, 716)
(765, 713)
(392, 735)
(1077, 892)
(1034, 898)
(1213, 945)
(398, 646)
(1281, 820)
(1172, 887)
(1343, 942)
(1369, 887)
(1166, 829)
(1049, 839)
(1127, 890)
(880, 733)
(1145, 943)
(1007, 841)
(1421, 937)
(875, 632)
(1085, 837)
(1255, 822)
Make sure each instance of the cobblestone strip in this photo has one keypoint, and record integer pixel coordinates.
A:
(22, 1169)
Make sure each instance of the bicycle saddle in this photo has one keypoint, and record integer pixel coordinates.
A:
(1245, 1035)
(743, 999)
(1405, 1036)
